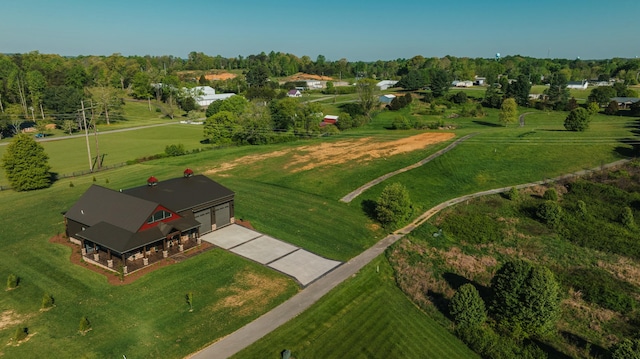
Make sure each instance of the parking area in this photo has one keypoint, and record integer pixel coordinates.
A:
(302, 265)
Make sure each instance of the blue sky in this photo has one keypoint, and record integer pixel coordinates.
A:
(355, 30)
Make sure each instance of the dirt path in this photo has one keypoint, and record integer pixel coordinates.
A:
(270, 321)
(349, 197)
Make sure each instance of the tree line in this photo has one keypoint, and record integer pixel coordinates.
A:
(38, 86)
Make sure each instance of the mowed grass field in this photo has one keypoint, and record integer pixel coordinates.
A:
(365, 317)
(150, 318)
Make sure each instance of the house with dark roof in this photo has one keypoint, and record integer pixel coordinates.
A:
(131, 228)
(294, 93)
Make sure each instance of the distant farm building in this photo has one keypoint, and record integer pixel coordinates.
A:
(205, 95)
(329, 120)
(480, 81)
(132, 228)
(578, 85)
(386, 99)
(385, 84)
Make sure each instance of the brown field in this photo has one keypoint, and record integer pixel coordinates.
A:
(333, 153)
(301, 76)
(220, 77)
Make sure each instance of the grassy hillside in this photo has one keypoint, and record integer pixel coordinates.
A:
(365, 317)
(298, 204)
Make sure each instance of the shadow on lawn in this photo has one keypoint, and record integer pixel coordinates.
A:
(485, 123)
(369, 208)
(631, 146)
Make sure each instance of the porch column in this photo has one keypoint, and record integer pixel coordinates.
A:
(83, 250)
(124, 264)
(109, 258)
(96, 255)
(145, 260)
(165, 252)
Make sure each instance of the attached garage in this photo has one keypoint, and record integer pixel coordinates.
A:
(204, 217)
(222, 215)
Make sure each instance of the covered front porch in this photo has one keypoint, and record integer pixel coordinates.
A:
(141, 257)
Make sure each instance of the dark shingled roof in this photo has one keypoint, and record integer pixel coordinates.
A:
(113, 218)
(180, 194)
(99, 204)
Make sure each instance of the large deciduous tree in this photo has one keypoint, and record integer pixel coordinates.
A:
(558, 93)
(258, 76)
(367, 89)
(519, 90)
(393, 205)
(413, 80)
(234, 104)
(526, 298)
(508, 111)
(577, 120)
(601, 95)
(440, 82)
(221, 128)
(26, 164)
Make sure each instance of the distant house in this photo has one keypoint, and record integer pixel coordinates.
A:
(386, 99)
(294, 93)
(205, 95)
(625, 102)
(479, 81)
(133, 227)
(578, 85)
(385, 84)
(462, 83)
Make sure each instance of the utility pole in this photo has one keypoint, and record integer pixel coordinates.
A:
(86, 135)
(95, 132)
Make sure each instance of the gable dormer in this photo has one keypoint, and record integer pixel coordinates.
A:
(161, 214)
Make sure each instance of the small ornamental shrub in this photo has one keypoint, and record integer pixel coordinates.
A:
(513, 194)
(593, 108)
(20, 334)
(467, 307)
(85, 325)
(47, 301)
(582, 208)
(550, 213)
(70, 184)
(189, 299)
(12, 281)
(550, 195)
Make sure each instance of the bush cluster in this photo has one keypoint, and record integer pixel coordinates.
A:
(601, 288)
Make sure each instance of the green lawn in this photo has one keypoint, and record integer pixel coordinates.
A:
(365, 317)
(149, 317)
(70, 155)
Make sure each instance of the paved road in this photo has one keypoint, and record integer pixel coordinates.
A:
(349, 197)
(288, 310)
(49, 139)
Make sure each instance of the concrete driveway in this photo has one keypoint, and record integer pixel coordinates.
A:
(302, 265)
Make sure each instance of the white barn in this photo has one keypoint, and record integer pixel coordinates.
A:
(578, 85)
(205, 95)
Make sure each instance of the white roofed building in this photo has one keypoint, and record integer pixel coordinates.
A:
(205, 95)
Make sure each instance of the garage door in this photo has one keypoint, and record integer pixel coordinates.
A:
(204, 217)
(222, 215)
